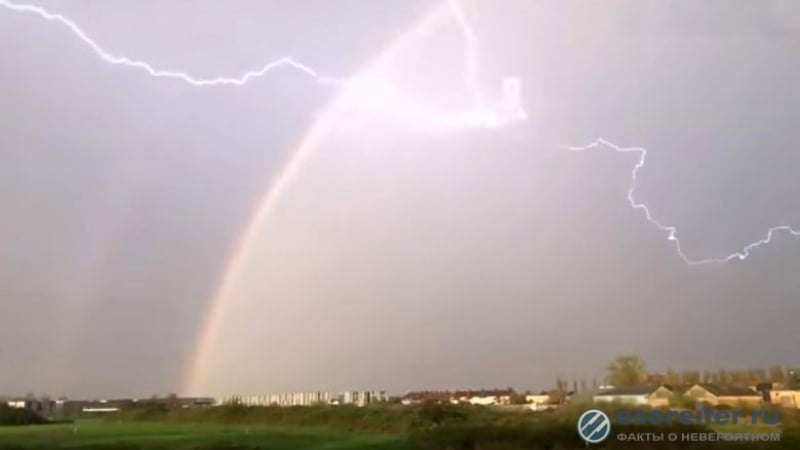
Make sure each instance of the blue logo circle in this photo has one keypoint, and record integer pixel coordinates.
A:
(594, 426)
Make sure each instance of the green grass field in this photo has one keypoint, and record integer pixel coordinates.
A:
(128, 436)
(426, 427)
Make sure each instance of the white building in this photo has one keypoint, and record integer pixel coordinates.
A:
(539, 402)
(484, 397)
(283, 399)
(788, 398)
(43, 407)
(360, 398)
(654, 396)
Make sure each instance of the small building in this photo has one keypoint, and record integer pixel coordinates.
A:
(196, 402)
(363, 398)
(282, 399)
(723, 394)
(787, 398)
(44, 407)
(542, 401)
(641, 395)
(106, 406)
(484, 397)
(542, 398)
(359, 398)
(417, 397)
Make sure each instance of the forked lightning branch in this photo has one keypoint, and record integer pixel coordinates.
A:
(510, 111)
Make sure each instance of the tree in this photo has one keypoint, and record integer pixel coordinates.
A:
(172, 400)
(673, 378)
(740, 376)
(710, 376)
(561, 385)
(559, 394)
(690, 377)
(793, 376)
(776, 374)
(656, 378)
(627, 370)
(517, 398)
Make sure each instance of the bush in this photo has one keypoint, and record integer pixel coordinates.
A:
(19, 416)
(377, 418)
(467, 436)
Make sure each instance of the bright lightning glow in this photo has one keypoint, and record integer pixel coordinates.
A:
(367, 94)
(373, 93)
(387, 99)
(671, 230)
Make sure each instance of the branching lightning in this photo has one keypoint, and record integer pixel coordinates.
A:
(378, 95)
(510, 111)
(671, 230)
(160, 73)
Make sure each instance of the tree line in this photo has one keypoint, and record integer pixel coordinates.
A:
(631, 370)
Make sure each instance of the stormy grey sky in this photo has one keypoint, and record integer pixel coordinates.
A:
(396, 258)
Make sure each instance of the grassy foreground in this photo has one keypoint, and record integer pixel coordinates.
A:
(95, 435)
(423, 427)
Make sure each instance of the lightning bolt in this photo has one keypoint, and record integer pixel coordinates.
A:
(479, 114)
(377, 94)
(160, 73)
(672, 230)
(471, 52)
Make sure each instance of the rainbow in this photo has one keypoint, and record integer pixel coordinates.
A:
(233, 266)
(353, 91)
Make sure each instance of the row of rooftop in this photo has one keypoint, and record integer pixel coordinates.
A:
(358, 398)
(715, 394)
(63, 407)
(653, 395)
